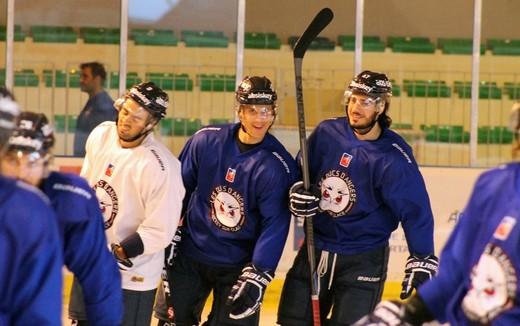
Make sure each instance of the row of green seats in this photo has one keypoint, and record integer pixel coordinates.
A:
(179, 126)
(162, 37)
(320, 43)
(370, 43)
(457, 46)
(426, 88)
(456, 134)
(216, 82)
(213, 39)
(487, 90)
(169, 81)
(53, 34)
(64, 123)
(261, 41)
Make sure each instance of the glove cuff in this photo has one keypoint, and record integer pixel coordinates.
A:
(416, 312)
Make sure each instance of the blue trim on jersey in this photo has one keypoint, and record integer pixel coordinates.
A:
(85, 246)
(235, 206)
(367, 187)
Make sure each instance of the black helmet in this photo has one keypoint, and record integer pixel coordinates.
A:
(255, 90)
(33, 133)
(150, 97)
(372, 84)
(9, 110)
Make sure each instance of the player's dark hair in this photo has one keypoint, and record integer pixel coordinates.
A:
(97, 69)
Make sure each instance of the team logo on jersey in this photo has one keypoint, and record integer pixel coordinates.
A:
(338, 194)
(109, 170)
(345, 160)
(504, 228)
(227, 208)
(108, 202)
(493, 286)
(230, 175)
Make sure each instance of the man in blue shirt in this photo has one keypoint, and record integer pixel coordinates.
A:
(99, 107)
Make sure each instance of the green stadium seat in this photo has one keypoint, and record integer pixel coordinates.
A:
(169, 81)
(26, 78)
(427, 88)
(457, 46)
(166, 127)
(216, 83)
(487, 90)
(320, 43)
(99, 35)
(131, 79)
(179, 126)
(504, 46)
(19, 35)
(494, 135)
(72, 121)
(512, 89)
(53, 34)
(211, 39)
(192, 126)
(59, 78)
(261, 41)
(59, 123)
(159, 37)
(410, 44)
(370, 43)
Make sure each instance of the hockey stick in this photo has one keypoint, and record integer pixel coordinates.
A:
(168, 262)
(322, 19)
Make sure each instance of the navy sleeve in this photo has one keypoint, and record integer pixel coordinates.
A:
(455, 255)
(189, 170)
(31, 263)
(275, 220)
(404, 191)
(88, 257)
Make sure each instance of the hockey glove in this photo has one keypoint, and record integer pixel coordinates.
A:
(248, 292)
(386, 313)
(172, 249)
(417, 271)
(303, 203)
(394, 313)
(123, 263)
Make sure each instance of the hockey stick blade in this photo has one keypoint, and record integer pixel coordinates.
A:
(322, 19)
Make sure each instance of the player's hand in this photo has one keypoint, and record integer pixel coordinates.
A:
(386, 313)
(303, 203)
(417, 271)
(118, 252)
(173, 248)
(248, 292)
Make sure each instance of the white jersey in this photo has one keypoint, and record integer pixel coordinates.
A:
(140, 190)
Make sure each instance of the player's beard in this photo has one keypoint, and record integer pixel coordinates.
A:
(363, 127)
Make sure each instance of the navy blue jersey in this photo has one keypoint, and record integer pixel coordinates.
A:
(479, 270)
(235, 206)
(30, 257)
(85, 249)
(367, 188)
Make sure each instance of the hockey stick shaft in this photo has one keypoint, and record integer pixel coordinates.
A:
(322, 19)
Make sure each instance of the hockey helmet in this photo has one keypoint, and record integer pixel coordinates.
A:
(9, 110)
(33, 133)
(372, 84)
(256, 90)
(148, 95)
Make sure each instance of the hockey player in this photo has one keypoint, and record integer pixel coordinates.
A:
(139, 185)
(236, 218)
(479, 274)
(30, 248)
(79, 218)
(365, 182)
